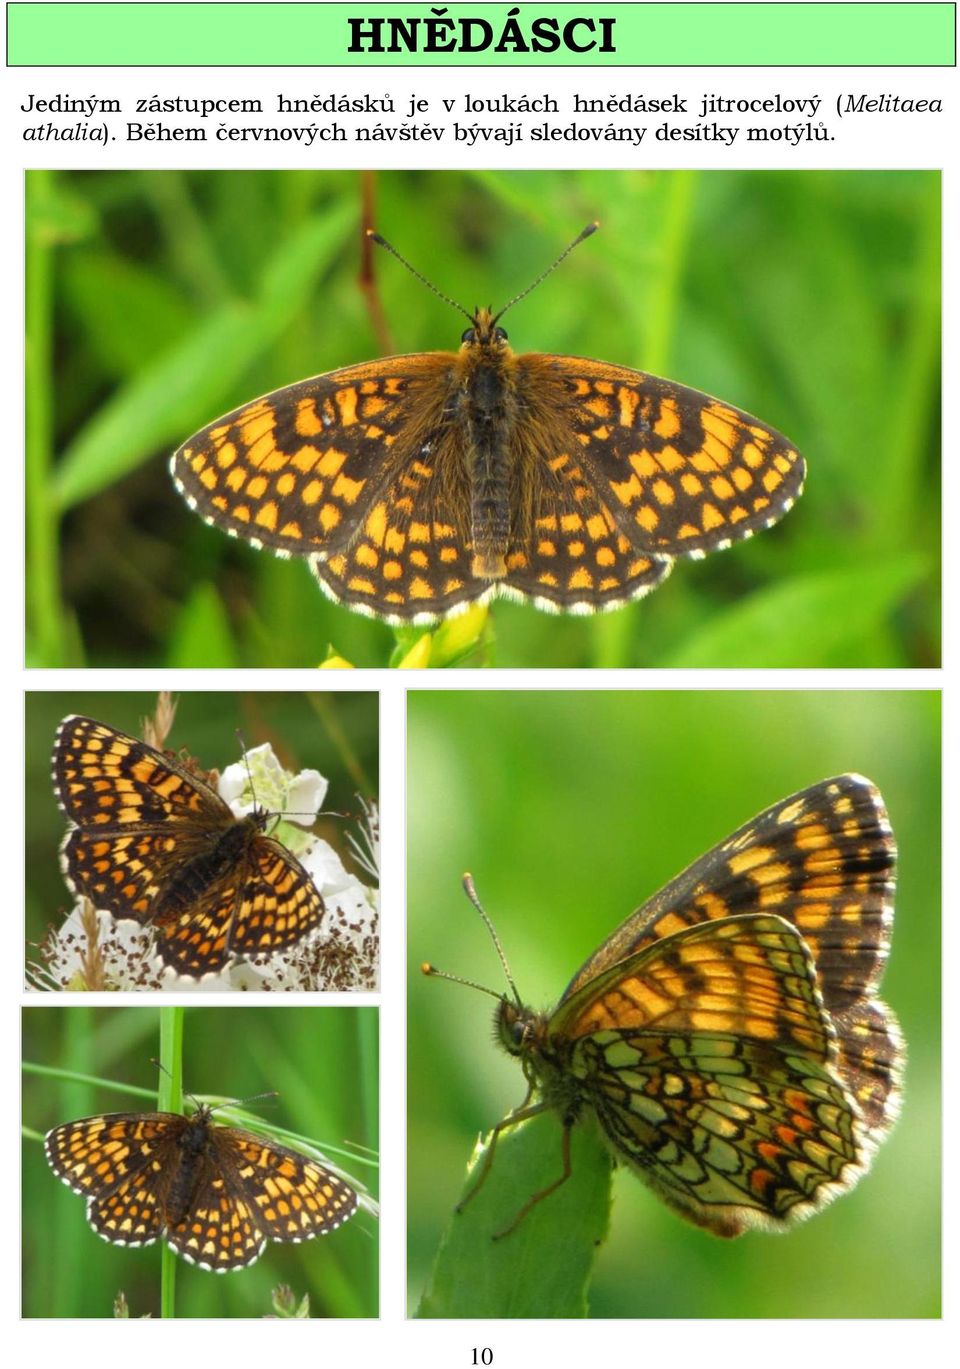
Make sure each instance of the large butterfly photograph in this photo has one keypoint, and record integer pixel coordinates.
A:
(607, 418)
(741, 1068)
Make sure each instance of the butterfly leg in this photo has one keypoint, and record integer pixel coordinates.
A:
(522, 1113)
(542, 1193)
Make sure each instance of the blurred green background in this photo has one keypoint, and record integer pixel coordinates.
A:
(322, 1062)
(158, 300)
(572, 808)
(335, 733)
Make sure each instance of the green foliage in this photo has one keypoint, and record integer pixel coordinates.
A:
(481, 1273)
(571, 808)
(320, 1060)
(156, 300)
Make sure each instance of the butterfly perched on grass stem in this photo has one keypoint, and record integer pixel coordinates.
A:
(418, 485)
(727, 1037)
(153, 843)
(215, 1194)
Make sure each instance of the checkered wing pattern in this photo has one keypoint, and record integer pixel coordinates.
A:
(824, 860)
(299, 470)
(709, 1059)
(216, 1194)
(684, 474)
(118, 1161)
(154, 844)
(414, 554)
(419, 484)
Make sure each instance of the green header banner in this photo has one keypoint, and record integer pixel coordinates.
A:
(616, 35)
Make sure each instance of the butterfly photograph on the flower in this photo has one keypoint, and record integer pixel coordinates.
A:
(179, 876)
(666, 451)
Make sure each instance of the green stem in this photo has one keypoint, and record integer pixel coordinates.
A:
(43, 594)
(368, 1026)
(614, 633)
(663, 300)
(915, 388)
(170, 1099)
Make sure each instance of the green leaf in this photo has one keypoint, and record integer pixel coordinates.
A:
(170, 397)
(202, 635)
(54, 214)
(542, 1268)
(805, 622)
(127, 314)
(158, 407)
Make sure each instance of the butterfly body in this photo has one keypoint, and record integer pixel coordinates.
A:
(193, 1146)
(727, 1037)
(420, 484)
(153, 843)
(216, 1194)
(223, 851)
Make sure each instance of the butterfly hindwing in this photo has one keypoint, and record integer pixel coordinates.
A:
(709, 1060)
(261, 903)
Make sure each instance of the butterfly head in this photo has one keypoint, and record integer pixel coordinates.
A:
(518, 1029)
(484, 331)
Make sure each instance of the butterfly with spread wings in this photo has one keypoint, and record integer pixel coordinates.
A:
(153, 843)
(215, 1194)
(419, 485)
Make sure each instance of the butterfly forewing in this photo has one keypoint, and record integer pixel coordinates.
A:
(824, 859)
(216, 1194)
(106, 779)
(683, 473)
(155, 844)
(301, 469)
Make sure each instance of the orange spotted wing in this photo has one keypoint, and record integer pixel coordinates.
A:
(153, 843)
(215, 1194)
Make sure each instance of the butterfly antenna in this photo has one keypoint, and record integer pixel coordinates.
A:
(469, 888)
(382, 242)
(160, 1066)
(246, 765)
(433, 973)
(587, 232)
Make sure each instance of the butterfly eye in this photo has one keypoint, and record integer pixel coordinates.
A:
(469, 335)
(499, 335)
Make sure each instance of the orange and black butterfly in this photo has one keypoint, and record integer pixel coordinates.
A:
(215, 1194)
(418, 485)
(728, 1037)
(151, 842)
